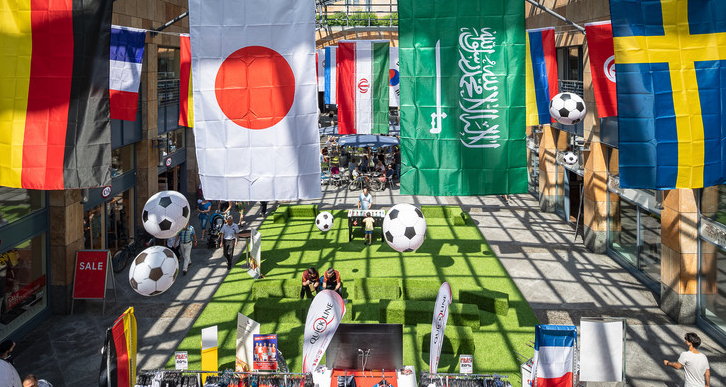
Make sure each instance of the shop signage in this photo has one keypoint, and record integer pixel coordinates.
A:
(167, 162)
(466, 364)
(713, 233)
(91, 274)
(181, 359)
(106, 191)
(27, 291)
(265, 352)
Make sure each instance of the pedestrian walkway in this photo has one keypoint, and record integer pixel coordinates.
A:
(561, 280)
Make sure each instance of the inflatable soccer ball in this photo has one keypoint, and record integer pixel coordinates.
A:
(569, 158)
(567, 108)
(404, 227)
(324, 221)
(165, 214)
(153, 271)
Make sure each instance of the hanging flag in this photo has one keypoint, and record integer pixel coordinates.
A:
(363, 86)
(438, 326)
(331, 75)
(462, 97)
(602, 65)
(255, 99)
(553, 361)
(320, 69)
(394, 95)
(324, 316)
(118, 357)
(670, 58)
(186, 100)
(541, 75)
(127, 56)
(55, 131)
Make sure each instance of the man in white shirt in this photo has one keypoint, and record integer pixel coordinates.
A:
(694, 363)
(229, 240)
(365, 200)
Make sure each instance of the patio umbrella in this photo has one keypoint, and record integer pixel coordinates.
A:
(367, 140)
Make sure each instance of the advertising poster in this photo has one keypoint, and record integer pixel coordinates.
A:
(255, 248)
(466, 364)
(265, 352)
(324, 316)
(246, 329)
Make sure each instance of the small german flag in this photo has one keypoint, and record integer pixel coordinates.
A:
(118, 360)
(186, 104)
(55, 130)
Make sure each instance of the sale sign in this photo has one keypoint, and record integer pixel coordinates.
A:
(90, 274)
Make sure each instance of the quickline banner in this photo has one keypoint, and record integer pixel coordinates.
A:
(438, 326)
(462, 97)
(323, 319)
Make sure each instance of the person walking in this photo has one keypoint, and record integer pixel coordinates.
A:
(9, 377)
(204, 207)
(186, 236)
(33, 381)
(365, 200)
(693, 362)
(263, 207)
(229, 240)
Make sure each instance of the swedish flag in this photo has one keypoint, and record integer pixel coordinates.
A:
(671, 66)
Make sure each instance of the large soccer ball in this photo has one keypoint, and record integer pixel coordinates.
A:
(567, 108)
(404, 227)
(165, 214)
(569, 158)
(324, 221)
(153, 271)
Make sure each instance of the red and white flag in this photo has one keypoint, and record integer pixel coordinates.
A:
(602, 64)
(255, 110)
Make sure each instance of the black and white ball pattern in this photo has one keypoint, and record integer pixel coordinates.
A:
(567, 108)
(153, 271)
(324, 221)
(569, 158)
(404, 227)
(165, 214)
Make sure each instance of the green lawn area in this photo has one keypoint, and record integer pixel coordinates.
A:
(456, 253)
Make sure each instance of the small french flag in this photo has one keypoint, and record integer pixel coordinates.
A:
(127, 54)
(554, 351)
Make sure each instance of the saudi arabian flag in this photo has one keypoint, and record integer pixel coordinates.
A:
(462, 97)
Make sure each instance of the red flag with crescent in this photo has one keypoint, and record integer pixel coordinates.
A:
(255, 109)
(602, 65)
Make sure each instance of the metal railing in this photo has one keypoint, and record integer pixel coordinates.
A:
(168, 92)
(574, 87)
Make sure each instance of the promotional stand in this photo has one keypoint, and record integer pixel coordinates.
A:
(90, 277)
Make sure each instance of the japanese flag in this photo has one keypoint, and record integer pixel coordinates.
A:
(255, 110)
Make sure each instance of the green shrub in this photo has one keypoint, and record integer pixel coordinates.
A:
(434, 211)
(420, 289)
(366, 310)
(377, 288)
(280, 214)
(282, 310)
(303, 211)
(457, 339)
(488, 300)
(465, 315)
(287, 288)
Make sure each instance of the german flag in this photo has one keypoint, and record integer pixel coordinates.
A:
(186, 105)
(118, 361)
(55, 129)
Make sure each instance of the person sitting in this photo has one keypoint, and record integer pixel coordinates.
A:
(310, 282)
(331, 281)
(390, 172)
(380, 168)
(357, 176)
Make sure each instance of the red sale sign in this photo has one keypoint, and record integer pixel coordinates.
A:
(90, 274)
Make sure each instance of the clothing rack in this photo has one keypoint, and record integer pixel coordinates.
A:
(224, 378)
(429, 379)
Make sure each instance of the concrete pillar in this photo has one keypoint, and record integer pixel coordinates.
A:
(547, 171)
(595, 201)
(679, 256)
(66, 238)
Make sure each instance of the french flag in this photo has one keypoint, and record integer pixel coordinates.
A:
(127, 54)
(554, 350)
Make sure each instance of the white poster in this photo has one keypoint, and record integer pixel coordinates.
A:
(181, 360)
(601, 350)
(209, 338)
(246, 329)
(438, 326)
(322, 321)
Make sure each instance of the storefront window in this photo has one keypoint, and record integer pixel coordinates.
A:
(169, 143)
(623, 228)
(94, 228)
(650, 250)
(23, 282)
(713, 203)
(168, 76)
(118, 222)
(122, 160)
(16, 203)
(713, 275)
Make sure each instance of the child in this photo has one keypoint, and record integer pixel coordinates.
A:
(368, 222)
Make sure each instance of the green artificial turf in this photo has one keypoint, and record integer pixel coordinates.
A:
(454, 251)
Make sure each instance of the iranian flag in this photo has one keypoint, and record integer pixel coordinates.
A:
(363, 86)
(462, 97)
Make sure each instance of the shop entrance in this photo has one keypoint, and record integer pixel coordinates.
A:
(171, 179)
